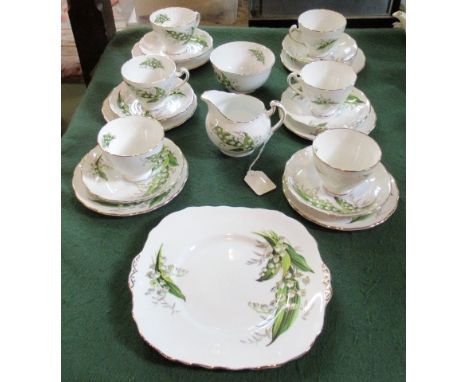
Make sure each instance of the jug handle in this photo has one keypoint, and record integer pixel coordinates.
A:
(276, 105)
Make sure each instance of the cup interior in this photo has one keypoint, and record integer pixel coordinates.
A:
(242, 57)
(328, 75)
(322, 20)
(130, 136)
(173, 17)
(147, 69)
(347, 150)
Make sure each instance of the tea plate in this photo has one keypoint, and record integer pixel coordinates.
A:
(108, 184)
(123, 102)
(344, 50)
(111, 209)
(356, 223)
(230, 287)
(293, 65)
(304, 183)
(167, 124)
(307, 132)
(197, 53)
(351, 114)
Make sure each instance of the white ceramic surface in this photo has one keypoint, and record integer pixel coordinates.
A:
(108, 184)
(123, 102)
(242, 66)
(111, 209)
(128, 142)
(344, 50)
(357, 63)
(236, 123)
(325, 84)
(174, 27)
(303, 181)
(344, 158)
(318, 30)
(167, 124)
(347, 223)
(191, 305)
(353, 114)
(309, 132)
(152, 78)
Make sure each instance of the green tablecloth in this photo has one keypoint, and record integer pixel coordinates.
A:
(364, 334)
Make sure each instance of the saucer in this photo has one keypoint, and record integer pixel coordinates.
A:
(303, 181)
(106, 208)
(351, 114)
(344, 50)
(123, 102)
(293, 65)
(167, 124)
(347, 223)
(108, 184)
(197, 53)
(304, 131)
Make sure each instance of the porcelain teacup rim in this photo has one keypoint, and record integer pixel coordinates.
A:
(369, 168)
(302, 15)
(190, 21)
(352, 74)
(268, 65)
(132, 61)
(153, 147)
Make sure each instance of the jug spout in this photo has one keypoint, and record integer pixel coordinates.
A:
(216, 99)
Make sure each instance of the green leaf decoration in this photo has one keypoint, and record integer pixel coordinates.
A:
(224, 81)
(152, 63)
(99, 168)
(361, 217)
(177, 93)
(180, 36)
(323, 101)
(298, 260)
(151, 95)
(242, 142)
(161, 18)
(107, 139)
(353, 100)
(287, 302)
(258, 54)
(162, 164)
(122, 105)
(325, 44)
(319, 128)
(164, 280)
(285, 318)
(199, 40)
(158, 198)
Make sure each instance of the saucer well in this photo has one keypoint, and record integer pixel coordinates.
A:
(358, 223)
(308, 132)
(108, 184)
(303, 181)
(350, 115)
(123, 102)
(344, 50)
(197, 53)
(111, 209)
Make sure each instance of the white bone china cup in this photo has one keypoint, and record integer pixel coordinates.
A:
(325, 84)
(152, 78)
(344, 158)
(130, 144)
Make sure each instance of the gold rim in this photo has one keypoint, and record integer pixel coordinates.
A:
(325, 31)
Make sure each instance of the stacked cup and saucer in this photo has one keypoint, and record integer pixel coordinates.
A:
(322, 96)
(176, 35)
(133, 169)
(320, 36)
(340, 183)
(152, 87)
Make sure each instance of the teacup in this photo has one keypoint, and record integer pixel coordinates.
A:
(175, 27)
(129, 143)
(344, 158)
(319, 30)
(152, 78)
(325, 84)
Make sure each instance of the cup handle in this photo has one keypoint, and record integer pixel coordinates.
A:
(294, 29)
(197, 18)
(296, 78)
(276, 105)
(180, 73)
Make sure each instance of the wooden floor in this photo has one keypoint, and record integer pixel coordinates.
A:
(71, 70)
